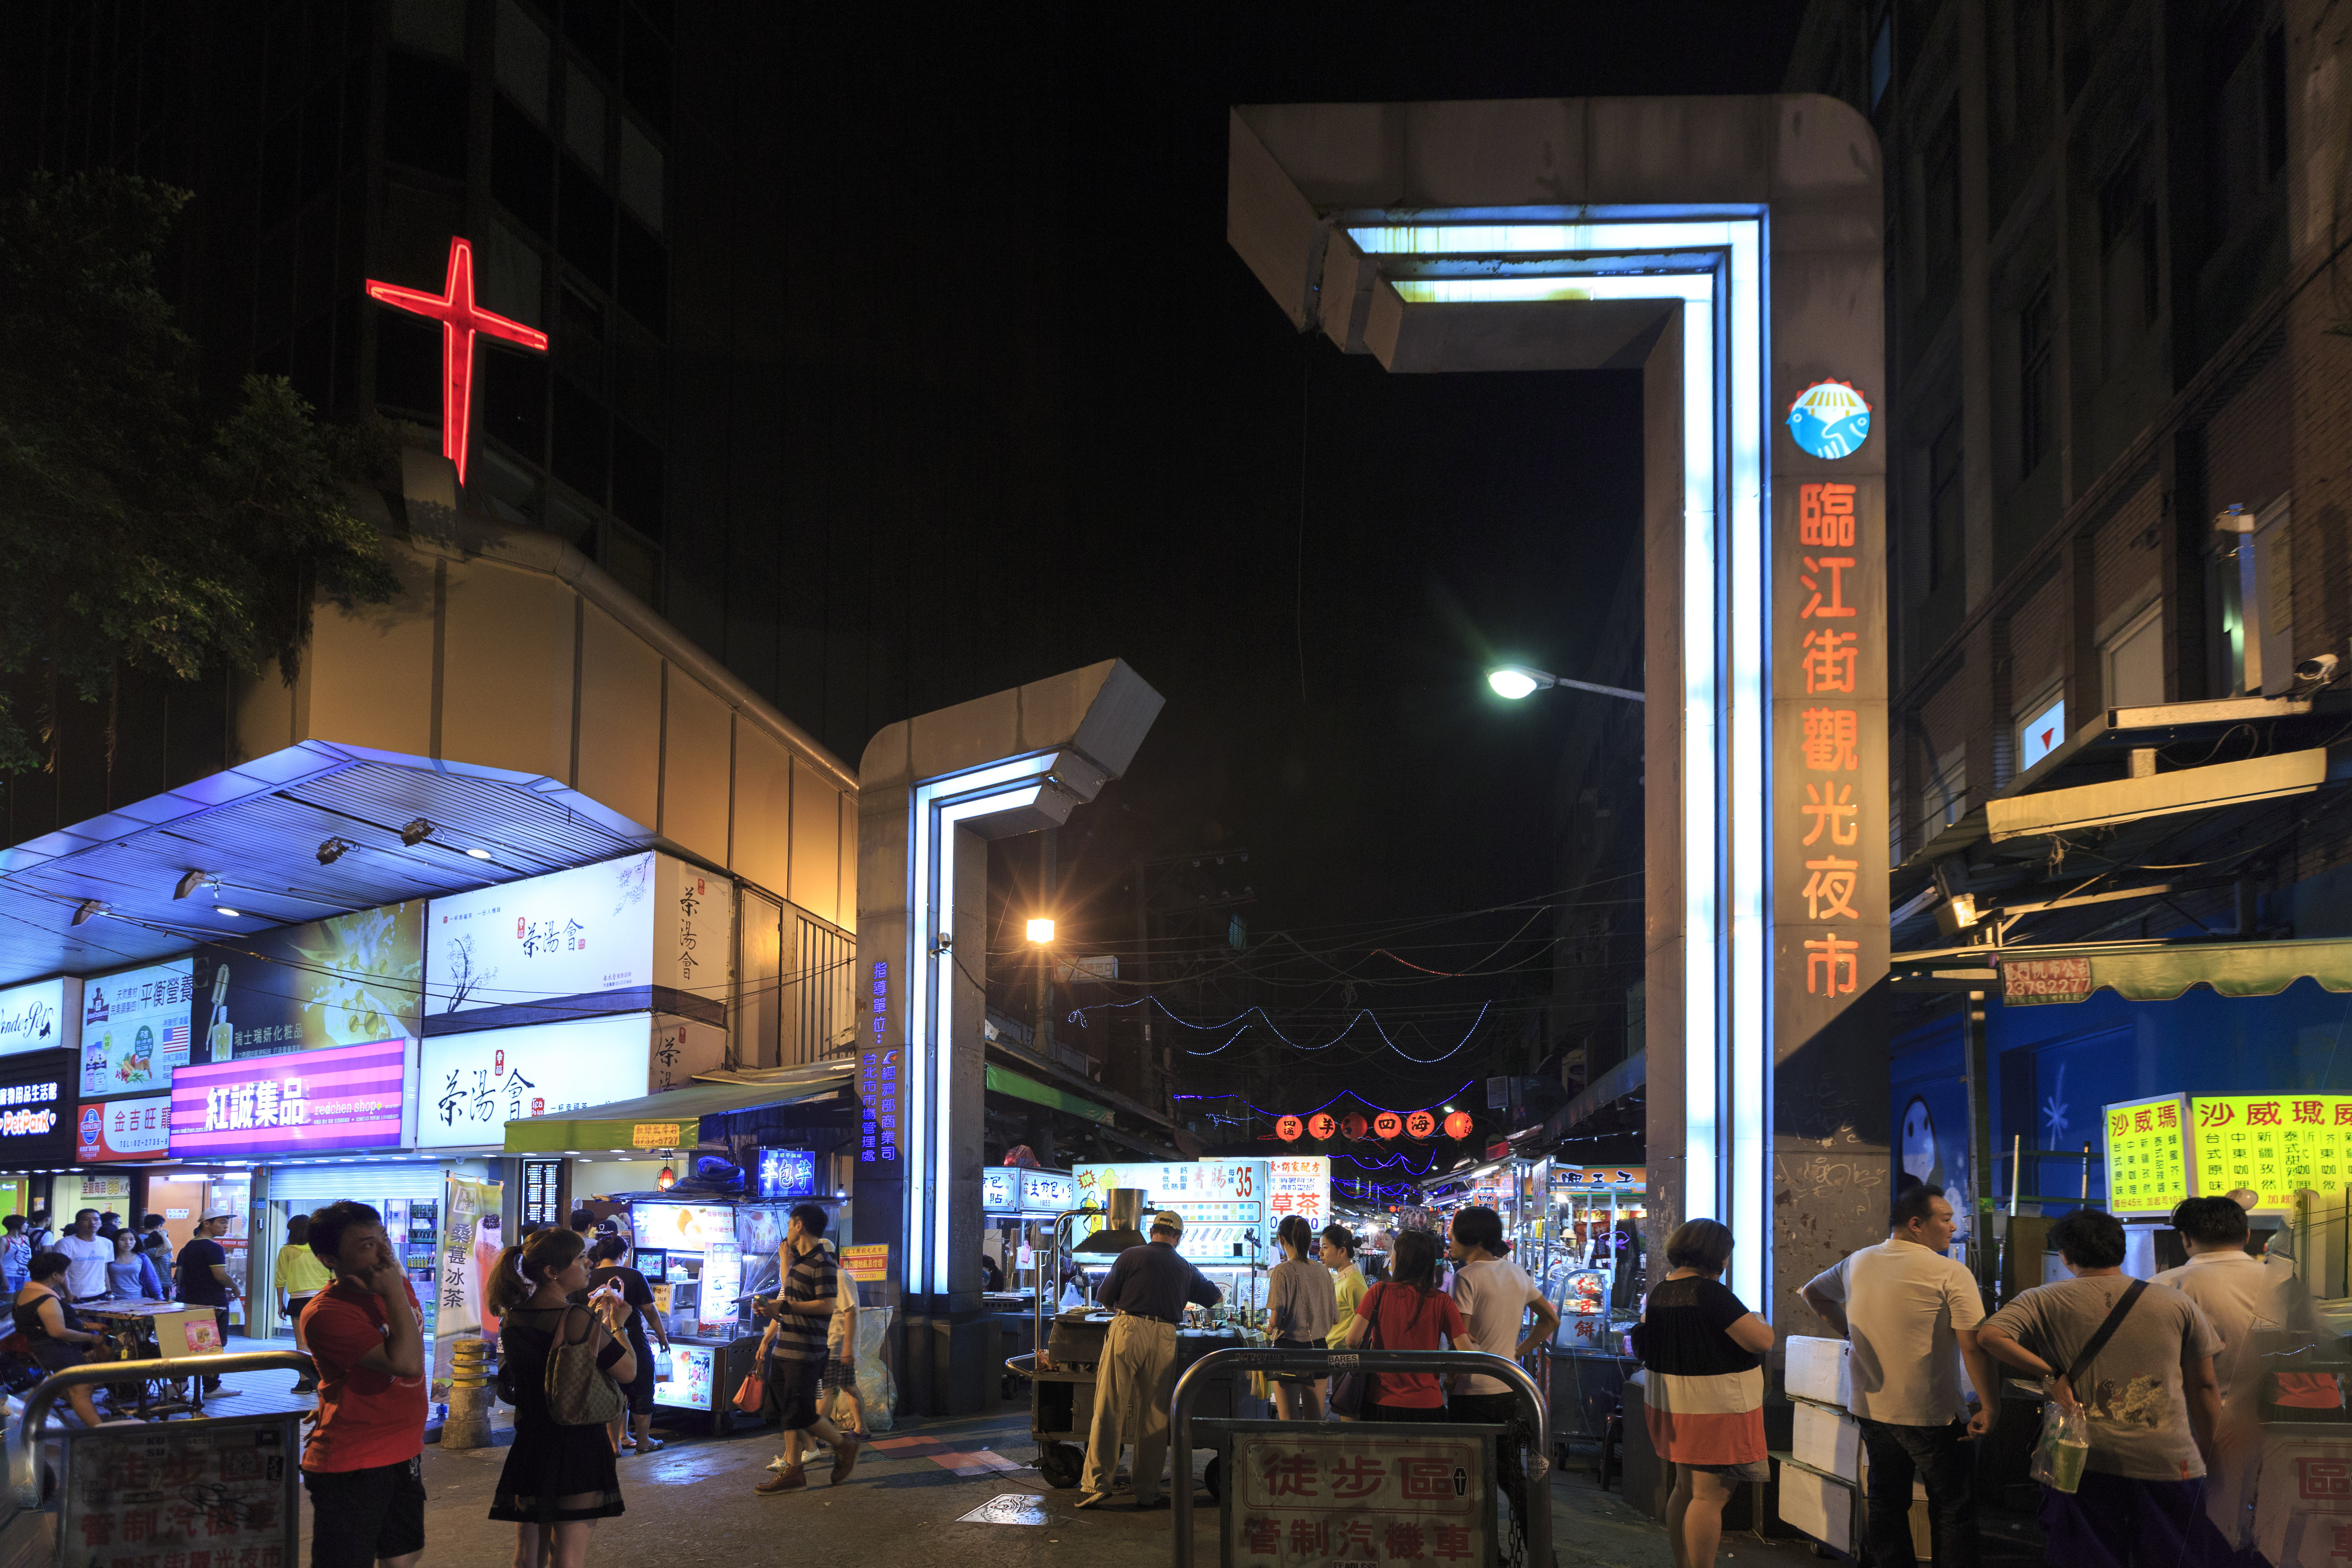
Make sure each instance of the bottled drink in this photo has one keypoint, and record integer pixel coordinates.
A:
(222, 1037)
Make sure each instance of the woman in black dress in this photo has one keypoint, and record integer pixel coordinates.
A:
(611, 1255)
(558, 1481)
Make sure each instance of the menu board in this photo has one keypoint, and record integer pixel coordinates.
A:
(687, 1383)
(1223, 1202)
(542, 1201)
(683, 1228)
(1298, 1184)
(2147, 1155)
(2274, 1144)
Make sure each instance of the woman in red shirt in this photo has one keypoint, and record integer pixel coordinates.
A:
(1411, 1313)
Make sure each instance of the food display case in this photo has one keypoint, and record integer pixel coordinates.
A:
(693, 1252)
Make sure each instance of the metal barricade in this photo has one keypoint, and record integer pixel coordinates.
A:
(26, 1439)
(1536, 1524)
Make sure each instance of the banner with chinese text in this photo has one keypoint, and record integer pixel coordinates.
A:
(2147, 1155)
(1304, 1498)
(2272, 1144)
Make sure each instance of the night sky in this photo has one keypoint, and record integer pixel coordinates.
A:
(1313, 560)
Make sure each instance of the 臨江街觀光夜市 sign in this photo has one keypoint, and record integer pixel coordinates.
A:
(136, 1028)
(646, 933)
(2163, 1148)
(345, 1097)
(352, 980)
(471, 1084)
(139, 1127)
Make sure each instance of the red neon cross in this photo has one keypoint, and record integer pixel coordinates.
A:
(460, 319)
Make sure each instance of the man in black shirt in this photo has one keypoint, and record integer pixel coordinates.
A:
(204, 1278)
(1147, 1287)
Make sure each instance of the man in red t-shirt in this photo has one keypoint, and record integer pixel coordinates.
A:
(367, 1499)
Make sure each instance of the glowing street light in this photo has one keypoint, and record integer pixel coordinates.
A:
(1041, 932)
(1513, 681)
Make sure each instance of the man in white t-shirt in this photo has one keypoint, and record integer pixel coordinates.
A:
(1495, 1296)
(87, 1256)
(1911, 1314)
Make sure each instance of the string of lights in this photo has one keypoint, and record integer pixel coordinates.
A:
(1266, 1021)
(1343, 1094)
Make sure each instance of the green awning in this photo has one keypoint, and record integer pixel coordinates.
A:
(1004, 1081)
(674, 1119)
(2162, 971)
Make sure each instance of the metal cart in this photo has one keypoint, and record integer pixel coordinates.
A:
(1062, 1390)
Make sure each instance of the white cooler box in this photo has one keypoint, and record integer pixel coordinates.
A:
(1829, 1441)
(1817, 1370)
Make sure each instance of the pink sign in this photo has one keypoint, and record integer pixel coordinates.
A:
(347, 1097)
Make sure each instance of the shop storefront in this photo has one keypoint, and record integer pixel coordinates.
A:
(1231, 1210)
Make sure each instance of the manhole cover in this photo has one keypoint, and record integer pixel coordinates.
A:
(1009, 1508)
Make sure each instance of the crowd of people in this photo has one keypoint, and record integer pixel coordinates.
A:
(1318, 1299)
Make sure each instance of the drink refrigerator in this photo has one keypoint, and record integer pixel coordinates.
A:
(413, 1227)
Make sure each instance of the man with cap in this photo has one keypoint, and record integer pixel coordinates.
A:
(203, 1275)
(1147, 1287)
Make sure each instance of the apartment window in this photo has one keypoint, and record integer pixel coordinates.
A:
(1944, 797)
(424, 113)
(2127, 251)
(2041, 728)
(2037, 390)
(2132, 661)
(2245, 119)
(1947, 529)
(1939, 207)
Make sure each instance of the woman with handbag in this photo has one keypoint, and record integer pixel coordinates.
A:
(1407, 1313)
(561, 1367)
(1704, 1351)
(1301, 1303)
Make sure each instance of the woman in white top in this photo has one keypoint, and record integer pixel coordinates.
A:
(1302, 1306)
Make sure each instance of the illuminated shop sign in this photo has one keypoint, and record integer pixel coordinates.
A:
(135, 1027)
(471, 1084)
(347, 1097)
(42, 1017)
(36, 1121)
(1829, 419)
(349, 980)
(135, 1129)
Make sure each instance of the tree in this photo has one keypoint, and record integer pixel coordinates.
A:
(138, 531)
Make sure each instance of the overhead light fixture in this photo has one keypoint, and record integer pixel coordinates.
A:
(224, 910)
(1041, 932)
(667, 1180)
(333, 850)
(190, 883)
(85, 909)
(416, 833)
(480, 854)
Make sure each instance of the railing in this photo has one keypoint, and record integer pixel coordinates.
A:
(1325, 1363)
(24, 1440)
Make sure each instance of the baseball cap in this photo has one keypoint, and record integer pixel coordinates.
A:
(212, 1214)
(1167, 1219)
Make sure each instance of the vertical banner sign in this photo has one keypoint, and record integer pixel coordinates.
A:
(1829, 822)
(877, 1077)
(460, 1275)
(2147, 1162)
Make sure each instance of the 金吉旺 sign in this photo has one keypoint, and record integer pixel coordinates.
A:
(2147, 1162)
(1829, 419)
(138, 1128)
(1332, 1497)
(135, 1027)
(2272, 1144)
(349, 1097)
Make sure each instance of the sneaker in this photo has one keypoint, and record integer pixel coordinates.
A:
(1093, 1500)
(789, 1480)
(845, 1459)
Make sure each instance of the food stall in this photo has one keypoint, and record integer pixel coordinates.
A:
(1594, 1280)
(693, 1252)
(1017, 1206)
(1230, 1208)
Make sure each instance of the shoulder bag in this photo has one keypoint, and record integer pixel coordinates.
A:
(1351, 1390)
(752, 1394)
(2065, 1441)
(579, 1392)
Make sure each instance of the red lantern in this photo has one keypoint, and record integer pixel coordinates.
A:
(1420, 1124)
(1387, 1124)
(1287, 1129)
(1322, 1124)
(1351, 1125)
(1457, 1126)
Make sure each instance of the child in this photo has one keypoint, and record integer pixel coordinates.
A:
(840, 1380)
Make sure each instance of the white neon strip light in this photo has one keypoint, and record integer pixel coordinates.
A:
(1726, 1056)
(928, 1060)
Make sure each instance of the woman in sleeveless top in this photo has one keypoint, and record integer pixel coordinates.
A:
(558, 1481)
(48, 1323)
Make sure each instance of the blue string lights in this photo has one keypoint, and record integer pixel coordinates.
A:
(1265, 1020)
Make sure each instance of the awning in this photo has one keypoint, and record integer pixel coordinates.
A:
(2146, 972)
(672, 1120)
(1004, 1081)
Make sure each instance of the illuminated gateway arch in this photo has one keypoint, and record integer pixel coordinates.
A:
(1730, 249)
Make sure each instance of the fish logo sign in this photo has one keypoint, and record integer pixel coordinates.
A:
(1830, 419)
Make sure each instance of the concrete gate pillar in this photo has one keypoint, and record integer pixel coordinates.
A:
(932, 791)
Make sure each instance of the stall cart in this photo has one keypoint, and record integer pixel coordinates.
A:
(1061, 1389)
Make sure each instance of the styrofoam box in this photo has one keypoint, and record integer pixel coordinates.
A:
(1817, 1370)
(1829, 1440)
(1820, 1507)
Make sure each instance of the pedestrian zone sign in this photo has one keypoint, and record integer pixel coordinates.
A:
(1357, 1498)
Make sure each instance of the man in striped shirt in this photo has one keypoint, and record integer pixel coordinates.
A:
(803, 1313)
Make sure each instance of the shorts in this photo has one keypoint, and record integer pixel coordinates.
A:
(640, 1388)
(796, 1388)
(1299, 1379)
(1746, 1470)
(840, 1376)
(360, 1516)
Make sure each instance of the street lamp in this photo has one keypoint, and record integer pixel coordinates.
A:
(1513, 681)
(1041, 932)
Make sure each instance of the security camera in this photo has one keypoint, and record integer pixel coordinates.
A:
(2311, 674)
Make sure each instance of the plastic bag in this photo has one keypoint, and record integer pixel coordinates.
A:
(877, 1391)
(2062, 1447)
